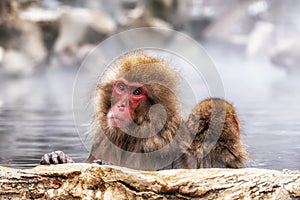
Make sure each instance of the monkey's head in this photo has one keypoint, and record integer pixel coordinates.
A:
(138, 99)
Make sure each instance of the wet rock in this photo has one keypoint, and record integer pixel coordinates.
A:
(91, 181)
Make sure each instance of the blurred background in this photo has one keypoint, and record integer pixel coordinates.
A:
(254, 44)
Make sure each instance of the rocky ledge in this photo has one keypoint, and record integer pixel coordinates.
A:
(91, 181)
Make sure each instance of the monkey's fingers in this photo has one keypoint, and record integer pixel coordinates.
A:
(102, 162)
(56, 157)
(45, 160)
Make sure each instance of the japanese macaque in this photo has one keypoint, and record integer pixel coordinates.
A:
(138, 122)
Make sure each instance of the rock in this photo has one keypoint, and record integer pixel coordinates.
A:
(233, 25)
(48, 22)
(1, 54)
(67, 31)
(8, 8)
(287, 55)
(91, 181)
(16, 62)
(23, 47)
(260, 40)
(80, 26)
(38, 15)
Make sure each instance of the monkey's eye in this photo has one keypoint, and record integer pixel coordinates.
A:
(137, 92)
(121, 86)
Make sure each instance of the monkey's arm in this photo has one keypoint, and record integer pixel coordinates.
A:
(97, 150)
(217, 141)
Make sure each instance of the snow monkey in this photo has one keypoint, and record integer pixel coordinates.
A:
(138, 122)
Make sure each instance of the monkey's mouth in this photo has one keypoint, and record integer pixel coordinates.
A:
(117, 122)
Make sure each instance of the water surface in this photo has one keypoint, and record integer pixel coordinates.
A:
(36, 117)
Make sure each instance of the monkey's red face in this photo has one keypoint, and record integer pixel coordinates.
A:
(126, 97)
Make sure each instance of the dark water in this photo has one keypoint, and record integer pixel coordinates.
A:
(272, 133)
(36, 117)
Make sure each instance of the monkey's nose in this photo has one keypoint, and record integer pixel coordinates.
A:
(122, 105)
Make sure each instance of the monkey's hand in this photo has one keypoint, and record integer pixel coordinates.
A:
(56, 157)
(102, 162)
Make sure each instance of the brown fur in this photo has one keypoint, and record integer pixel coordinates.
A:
(208, 120)
(217, 142)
